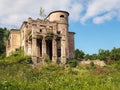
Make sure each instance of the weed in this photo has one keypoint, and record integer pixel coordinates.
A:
(72, 63)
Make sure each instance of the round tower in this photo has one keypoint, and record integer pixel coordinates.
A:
(61, 18)
(58, 16)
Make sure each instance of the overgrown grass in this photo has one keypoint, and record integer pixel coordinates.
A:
(17, 57)
(22, 76)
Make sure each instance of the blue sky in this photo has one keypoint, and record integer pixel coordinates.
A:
(95, 22)
(91, 37)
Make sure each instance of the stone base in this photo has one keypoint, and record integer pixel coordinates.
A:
(34, 60)
(63, 60)
(54, 59)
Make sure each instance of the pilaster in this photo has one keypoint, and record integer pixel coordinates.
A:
(43, 47)
(63, 50)
(34, 53)
(29, 48)
(54, 50)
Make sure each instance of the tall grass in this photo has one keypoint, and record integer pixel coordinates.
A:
(24, 77)
(15, 75)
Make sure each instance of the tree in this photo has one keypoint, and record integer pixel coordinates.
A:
(115, 54)
(42, 13)
(79, 54)
(94, 56)
(104, 54)
(3, 38)
(87, 57)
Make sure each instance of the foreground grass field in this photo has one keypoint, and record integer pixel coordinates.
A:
(22, 76)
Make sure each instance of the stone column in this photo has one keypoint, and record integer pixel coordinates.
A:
(67, 46)
(63, 50)
(54, 50)
(43, 47)
(29, 48)
(34, 50)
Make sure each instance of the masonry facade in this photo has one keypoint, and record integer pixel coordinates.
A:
(48, 38)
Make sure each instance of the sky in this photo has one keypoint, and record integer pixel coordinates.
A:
(95, 22)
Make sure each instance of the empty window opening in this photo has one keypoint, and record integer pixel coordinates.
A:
(40, 30)
(49, 48)
(58, 32)
(62, 16)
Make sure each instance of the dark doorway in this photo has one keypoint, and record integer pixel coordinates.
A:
(58, 48)
(39, 43)
(49, 48)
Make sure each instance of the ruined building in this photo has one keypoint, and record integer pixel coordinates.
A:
(48, 38)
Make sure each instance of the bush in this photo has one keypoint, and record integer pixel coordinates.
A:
(29, 59)
(117, 66)
(47, 60)
(58, 61)
(92, 65)
(72, 63)
(2, 56)
(50, 68)
(18, 57)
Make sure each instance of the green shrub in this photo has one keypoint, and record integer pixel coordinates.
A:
(117, 65)
(19, 76)
(2, 56)
(47, 60)
(58, 61)
(51, 68)
(50, 33)
(92, 65)
(72, 63)
(18, 57)
(29, 59)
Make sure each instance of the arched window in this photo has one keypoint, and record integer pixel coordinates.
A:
(61, 16)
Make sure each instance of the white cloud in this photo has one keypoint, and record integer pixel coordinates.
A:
(103, 18)
(75, 11)
(14, 12)
(99, 7)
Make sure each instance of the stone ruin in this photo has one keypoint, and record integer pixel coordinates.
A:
(40, 39)
(96, 62)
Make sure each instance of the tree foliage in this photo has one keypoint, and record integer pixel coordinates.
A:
(105, 55)
(115, 54)
(3, 38)
(42, 13)
(79, 54)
